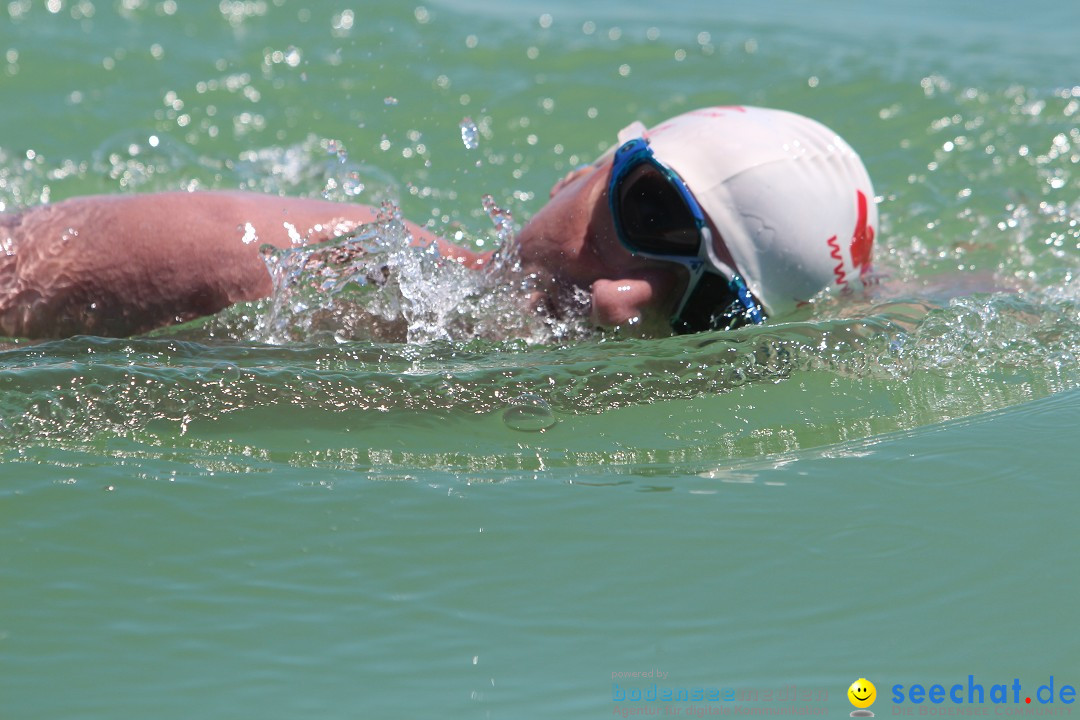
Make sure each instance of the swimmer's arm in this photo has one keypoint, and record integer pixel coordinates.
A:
(120, 265)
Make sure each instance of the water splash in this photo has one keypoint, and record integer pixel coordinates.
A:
(505, 254)
(376, 282)
(502, 219)
(327, 290)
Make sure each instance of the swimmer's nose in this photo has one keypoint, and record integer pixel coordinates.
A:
(640, 305)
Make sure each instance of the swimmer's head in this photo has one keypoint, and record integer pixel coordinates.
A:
(765, 208)
(712, 219)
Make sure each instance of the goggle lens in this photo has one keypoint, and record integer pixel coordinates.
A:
(653, 216)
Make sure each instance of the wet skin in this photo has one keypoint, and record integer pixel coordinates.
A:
(122, 265)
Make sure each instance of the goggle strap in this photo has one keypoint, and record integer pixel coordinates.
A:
(633, 131)
(696, 271)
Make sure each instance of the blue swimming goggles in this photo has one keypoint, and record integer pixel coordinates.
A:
(657, 217)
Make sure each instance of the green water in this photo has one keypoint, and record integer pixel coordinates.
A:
(199, 524)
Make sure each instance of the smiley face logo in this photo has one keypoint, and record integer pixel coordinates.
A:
(862, 693)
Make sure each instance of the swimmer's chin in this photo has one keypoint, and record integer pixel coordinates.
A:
(625, 308)
(629, 322)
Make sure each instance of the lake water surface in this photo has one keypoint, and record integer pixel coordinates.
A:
(251, 517)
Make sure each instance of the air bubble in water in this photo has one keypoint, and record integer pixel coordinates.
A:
(528, 412)
(470, 134)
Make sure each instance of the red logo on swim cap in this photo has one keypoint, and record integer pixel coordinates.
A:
(862, 243)
(863, 240)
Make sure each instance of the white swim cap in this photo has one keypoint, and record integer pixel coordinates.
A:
(792, 201)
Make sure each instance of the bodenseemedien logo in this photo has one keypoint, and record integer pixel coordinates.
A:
(862, 695)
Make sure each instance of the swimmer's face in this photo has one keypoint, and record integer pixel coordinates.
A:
(571, 241)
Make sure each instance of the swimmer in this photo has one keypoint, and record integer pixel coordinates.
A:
(713, 219)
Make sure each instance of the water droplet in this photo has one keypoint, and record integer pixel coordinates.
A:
(352, 185)
(390, 100)
(470, 135)
(503, 219)
(333, 147)
(528, 413)
(250, 235)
